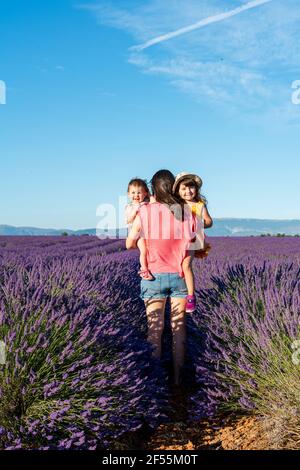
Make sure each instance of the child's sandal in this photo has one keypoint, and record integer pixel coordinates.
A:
(146, 275)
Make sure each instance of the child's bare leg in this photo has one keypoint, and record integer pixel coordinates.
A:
(189, 279)
(141, 244)
(188, 274)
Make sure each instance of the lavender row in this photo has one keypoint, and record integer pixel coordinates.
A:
(245, 326)
(79, 372)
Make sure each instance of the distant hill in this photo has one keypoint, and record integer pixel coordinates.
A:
(222, 227)
(34, 231)
(247, 227)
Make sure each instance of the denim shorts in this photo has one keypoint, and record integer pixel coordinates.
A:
(164, 285)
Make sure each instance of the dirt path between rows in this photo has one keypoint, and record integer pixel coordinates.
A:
(231, 434)
(220, 433)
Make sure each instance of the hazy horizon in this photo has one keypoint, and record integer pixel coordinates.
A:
(57, 227)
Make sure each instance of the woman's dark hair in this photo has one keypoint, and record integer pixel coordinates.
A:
(192, 183)
(162, 184)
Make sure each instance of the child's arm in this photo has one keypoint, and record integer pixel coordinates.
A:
(130, 213)
(208, 222)
(134, 234)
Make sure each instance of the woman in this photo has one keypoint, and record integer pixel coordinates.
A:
(167, 230)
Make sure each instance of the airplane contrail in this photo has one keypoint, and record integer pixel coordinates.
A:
(199, 24)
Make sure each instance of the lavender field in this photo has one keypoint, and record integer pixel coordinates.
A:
(78, 371)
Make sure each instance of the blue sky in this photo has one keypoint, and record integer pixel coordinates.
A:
(85, 111)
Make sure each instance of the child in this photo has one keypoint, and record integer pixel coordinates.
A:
(187, 186)
(139, 194)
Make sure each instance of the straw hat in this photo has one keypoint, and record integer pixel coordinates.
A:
(184, 175)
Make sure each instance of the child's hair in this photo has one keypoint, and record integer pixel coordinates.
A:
(191, 182)
(138, 182)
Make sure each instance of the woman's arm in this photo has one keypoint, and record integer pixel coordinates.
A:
(208, 222)
(134, 233)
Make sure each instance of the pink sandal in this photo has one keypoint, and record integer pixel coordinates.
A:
(145, 274)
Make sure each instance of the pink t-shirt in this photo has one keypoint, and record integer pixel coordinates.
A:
(167, 238)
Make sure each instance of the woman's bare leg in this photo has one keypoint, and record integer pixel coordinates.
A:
(178, 334)
(188, 274)
(155, 310)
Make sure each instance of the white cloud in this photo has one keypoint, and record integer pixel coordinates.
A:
(249, 60)
(200, 24)
(218, 81)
